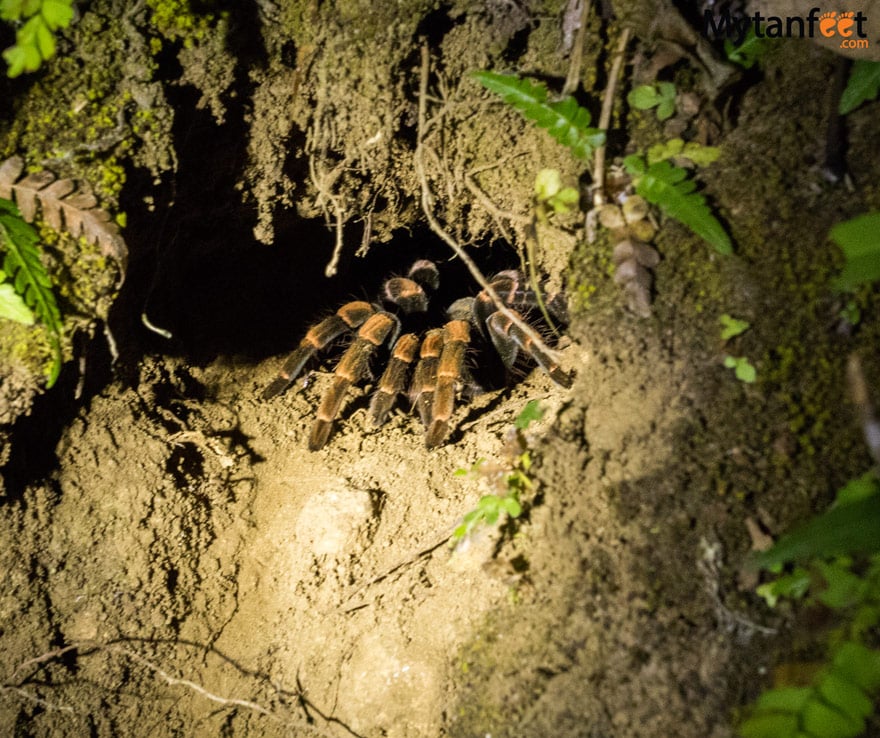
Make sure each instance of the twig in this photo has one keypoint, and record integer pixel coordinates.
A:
(428, 209)
(858, 388)
(577, 52)
(605, 119)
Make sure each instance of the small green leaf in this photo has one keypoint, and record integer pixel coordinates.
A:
(665, 110)
(565, 200)
(863, 85)
(731, 327)
(57, 13)
(30, 7)
(10, 10)
(784, 699)
(661, 96)
(859, 239)
(667, 90)
(547, 183)
(770, 725)
(700, 155)
(857, 489)
(45, 41)
(859, 665)
(12, 307)
(530, 413)
(843, 588)
(845, 696)
(743, 370)
(511, 506)
(682, 153)
(15, 58)
(820, 719)
(644, 97)
(749, 52)
(794, 586)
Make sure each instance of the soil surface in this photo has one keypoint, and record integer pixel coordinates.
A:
(175, 562)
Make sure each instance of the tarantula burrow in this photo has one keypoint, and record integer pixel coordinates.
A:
(428, 368)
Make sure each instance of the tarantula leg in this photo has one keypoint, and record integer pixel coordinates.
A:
(512, 291)
(425, 379)
(408, 292)
(349, 316)
(507, 284)
(508, 338)
(456, 337)
(394, 378)
(352, 367)
(425, 273)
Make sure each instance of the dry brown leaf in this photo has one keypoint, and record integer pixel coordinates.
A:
(63, 205)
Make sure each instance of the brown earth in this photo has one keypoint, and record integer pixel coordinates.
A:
(176, 563)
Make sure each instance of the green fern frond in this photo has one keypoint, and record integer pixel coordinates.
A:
(835, 705)
(35, 39)
(564, 119)
(669, 188)
(29, 277)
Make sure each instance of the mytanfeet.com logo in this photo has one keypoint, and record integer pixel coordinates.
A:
(847, 25)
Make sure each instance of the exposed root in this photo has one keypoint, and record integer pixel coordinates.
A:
(427, 202)
(27, 673)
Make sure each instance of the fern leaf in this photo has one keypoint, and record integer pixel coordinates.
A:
(29, 277)
(669, 188)
(64, 206)
(12, 307)
(564, 119)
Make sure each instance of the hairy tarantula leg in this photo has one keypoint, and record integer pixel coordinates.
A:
(349, 316)
(408, 292)
(425, 378)
(508, 338)
(352, 367)
(515, 293)
(456, 337)
(425, 273)
(394, 378)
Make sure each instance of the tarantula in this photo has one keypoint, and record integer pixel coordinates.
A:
(438, 355)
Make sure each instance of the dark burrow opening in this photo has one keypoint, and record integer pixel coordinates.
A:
(197, 272)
